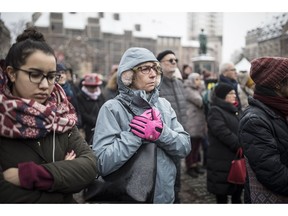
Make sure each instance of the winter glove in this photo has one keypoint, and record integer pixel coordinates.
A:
(148, 125)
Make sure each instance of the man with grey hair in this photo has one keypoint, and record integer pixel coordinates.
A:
(228, 75)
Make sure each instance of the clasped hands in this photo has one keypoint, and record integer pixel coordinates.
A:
(147, 125)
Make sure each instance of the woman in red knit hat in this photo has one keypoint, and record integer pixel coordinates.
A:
(263, 132)
(90, 99)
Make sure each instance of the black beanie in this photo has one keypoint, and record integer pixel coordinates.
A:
(222, 89)
(161, 55)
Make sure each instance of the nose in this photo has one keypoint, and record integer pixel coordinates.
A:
(44, 83)
(152, 72)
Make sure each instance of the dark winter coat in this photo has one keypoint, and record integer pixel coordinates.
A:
(69, 176)
(223, 121)
(173, 91)
(89, 110)
(264, 136)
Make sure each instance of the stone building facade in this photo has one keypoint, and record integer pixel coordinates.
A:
(5, 40)
(268, 40)
(92, 49)
(89, 50)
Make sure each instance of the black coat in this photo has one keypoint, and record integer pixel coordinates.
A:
(264, 135)
(89, 110)
(223, 121)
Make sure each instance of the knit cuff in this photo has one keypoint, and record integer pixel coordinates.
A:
(33, 176)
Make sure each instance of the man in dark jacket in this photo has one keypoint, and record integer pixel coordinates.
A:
(172, 89)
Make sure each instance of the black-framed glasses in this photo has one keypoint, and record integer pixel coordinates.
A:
(172, 60)
(38, 76)
(147, 69)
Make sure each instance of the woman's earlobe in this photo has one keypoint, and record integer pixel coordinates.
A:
(11, 73)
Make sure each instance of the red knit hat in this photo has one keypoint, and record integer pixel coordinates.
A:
(92, 79)
(269, 71)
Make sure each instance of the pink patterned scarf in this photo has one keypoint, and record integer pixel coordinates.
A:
(25, 118)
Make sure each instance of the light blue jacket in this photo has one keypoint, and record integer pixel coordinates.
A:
(114, 143)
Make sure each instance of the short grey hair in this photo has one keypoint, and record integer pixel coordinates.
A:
(224, 66)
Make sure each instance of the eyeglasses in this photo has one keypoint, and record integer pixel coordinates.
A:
(147, 69)
(38, 76)
(172, 60)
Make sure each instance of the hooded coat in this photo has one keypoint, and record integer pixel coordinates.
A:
(114, 143)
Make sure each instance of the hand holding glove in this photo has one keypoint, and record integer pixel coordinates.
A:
(148, 125)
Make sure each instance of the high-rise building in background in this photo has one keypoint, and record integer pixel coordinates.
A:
(212, 24)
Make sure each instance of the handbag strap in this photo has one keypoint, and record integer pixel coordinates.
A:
(239, 153)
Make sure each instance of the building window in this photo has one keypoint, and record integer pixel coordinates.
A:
(101, 14)
(57, 27)
(116, 16)
(137, 27)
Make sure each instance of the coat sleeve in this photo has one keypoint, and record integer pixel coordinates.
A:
(71, 176)
(174, 140)
(113, 143)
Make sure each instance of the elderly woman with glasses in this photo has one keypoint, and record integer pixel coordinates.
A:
(119, 134)
(43, 158)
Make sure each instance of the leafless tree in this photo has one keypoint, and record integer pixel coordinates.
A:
(17, 28)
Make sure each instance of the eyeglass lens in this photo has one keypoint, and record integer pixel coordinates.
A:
(172, 60)
(147, 69)
(38, 76)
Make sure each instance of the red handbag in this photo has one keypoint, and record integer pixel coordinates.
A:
(237, 173)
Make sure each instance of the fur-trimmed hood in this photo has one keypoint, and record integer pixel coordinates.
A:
(131, 58)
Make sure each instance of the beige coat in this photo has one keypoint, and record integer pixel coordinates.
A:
(196, 122)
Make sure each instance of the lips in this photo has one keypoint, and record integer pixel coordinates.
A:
(152, 84)
(41, 96)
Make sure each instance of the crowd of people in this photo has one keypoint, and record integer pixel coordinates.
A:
(56, 136)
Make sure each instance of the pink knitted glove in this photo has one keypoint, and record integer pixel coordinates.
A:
(148, 125)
